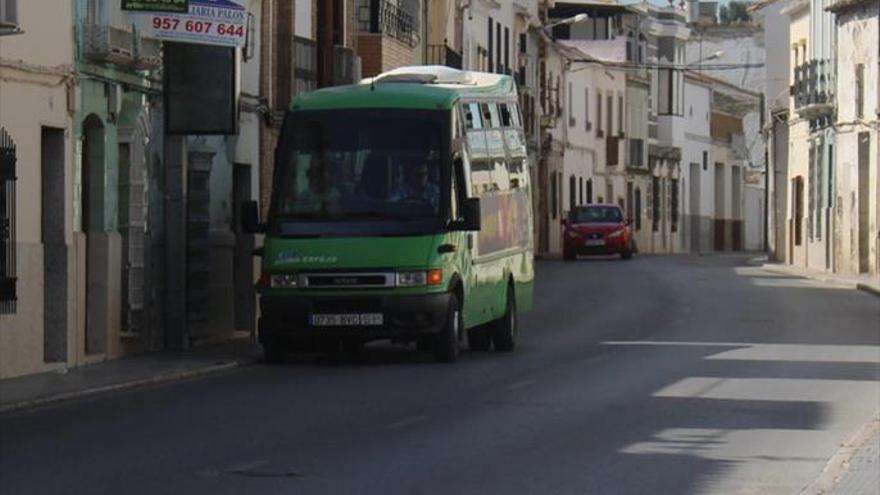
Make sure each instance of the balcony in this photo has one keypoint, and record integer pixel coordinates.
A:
(443, 55)
(813, 89)
(382, 16)
(108, 44)
(147, 54)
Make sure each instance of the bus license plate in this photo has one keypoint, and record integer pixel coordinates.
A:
(348, 320)
(595, 242)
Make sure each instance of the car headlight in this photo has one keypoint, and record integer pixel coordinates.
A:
(574, 234)
(282, 281)
(419, 278)
(616, 234)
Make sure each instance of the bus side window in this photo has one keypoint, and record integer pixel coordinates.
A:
(472, 115)
(506, 117)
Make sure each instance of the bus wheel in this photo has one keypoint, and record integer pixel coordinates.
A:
(504, 329)
(273, 352)
(479, 339)
(446, 342)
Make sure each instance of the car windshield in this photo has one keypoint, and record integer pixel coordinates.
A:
(597, 214)
(360, 166)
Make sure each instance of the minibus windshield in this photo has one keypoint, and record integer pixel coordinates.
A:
(361, 165)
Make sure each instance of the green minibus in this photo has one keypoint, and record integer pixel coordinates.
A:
(401, 210)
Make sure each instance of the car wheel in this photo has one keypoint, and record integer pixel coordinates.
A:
(273, 352)
(446, 342)
(504, 329)
(479, 339)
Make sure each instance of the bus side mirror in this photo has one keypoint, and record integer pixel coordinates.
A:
(470, 212)
(250, 218)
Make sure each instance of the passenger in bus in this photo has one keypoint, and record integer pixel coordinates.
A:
(418, 187)
(321, 193)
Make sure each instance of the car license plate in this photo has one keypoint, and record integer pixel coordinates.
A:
(348, 320)
(595, 242)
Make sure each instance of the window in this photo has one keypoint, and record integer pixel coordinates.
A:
(610, 110)
(655, 204)
(506, 69)
(599, 131)
(705, 160)
(571, 120)
(587, 124)
(506, 117)
(589, 191)
(638, 209)
(523, 45)
(636, 152)
(798, 209)
(572, 193)
(553, 196)
(860, 91)
(7, 223)
(620, 115)
(581, 189)
(498, 66)
(674, 206)
(491, 46)
(8, 15)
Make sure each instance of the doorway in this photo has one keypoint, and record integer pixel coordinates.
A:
(243, 269)
(54, 246)
(91, 222)
(864, 202)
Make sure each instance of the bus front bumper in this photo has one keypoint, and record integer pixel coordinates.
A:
(290, 317)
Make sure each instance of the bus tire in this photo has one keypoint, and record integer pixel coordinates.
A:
(479, 339)
(446, 342)
(504, 329)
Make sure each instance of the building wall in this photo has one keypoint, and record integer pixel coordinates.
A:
(697, 149)
(36, 68)
(381, 53)
(798, 153)
(858, 36)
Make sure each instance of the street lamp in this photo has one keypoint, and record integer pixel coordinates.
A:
(570, 20)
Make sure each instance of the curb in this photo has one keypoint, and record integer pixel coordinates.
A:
(116, 387)
(869, 289)
(826, 279)
(838, 465)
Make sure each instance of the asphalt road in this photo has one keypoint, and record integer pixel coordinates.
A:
(658, 375)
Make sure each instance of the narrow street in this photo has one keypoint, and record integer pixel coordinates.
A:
(679, 374)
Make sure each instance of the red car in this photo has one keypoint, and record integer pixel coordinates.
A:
(597, 229)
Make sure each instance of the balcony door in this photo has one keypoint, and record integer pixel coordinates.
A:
(331, 32)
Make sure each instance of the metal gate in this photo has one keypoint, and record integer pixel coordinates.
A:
(7, 223)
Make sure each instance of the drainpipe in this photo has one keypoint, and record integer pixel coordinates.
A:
(766, 180)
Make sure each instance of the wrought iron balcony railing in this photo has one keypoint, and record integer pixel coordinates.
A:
(443, 55)
(813, 88)
(382, 16)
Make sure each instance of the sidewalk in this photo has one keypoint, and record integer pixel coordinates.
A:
(866, 283)
(120, 374)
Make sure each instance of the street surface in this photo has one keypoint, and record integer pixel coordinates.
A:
(657, 375)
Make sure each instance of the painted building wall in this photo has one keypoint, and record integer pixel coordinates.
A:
(35, 71)
(798, 142)
(697, 155)
(858, 36)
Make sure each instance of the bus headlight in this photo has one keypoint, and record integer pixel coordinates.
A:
(420, 278)
(282, 281)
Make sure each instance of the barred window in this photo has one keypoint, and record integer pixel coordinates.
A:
(7, 223)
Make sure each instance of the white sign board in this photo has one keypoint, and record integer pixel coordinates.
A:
(209, 22)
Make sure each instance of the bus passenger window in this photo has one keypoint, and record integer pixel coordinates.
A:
(505, 115)
(473, 116)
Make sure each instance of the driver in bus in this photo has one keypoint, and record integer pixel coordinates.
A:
(418, 186)
(321, 191)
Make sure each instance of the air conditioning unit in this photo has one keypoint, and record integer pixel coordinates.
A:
(8, 15)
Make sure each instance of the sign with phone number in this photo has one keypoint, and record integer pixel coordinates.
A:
(208, 22)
